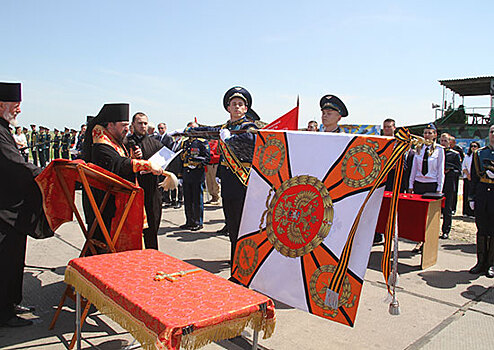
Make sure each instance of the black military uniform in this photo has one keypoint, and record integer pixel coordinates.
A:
(65, 144)
(41, 146)
(149, 183)
(452, 169)
(47, 145)
(195, 157)
(21, 213)
(233, 189)
(33, 141)
(482, 194)
(72, 141)
(56, 145)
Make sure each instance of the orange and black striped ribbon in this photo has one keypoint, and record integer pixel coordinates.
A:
(391, 224)
(234, 164)
(332, 296)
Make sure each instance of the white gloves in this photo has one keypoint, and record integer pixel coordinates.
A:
(472, 205)
(225, 134)
(156, 168)
(490, 174)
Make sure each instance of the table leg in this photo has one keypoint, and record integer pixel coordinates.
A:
(431, 239)
(78, 319)
(255, 340)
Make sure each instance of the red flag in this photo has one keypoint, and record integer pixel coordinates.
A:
(195, 120)
(289, 121)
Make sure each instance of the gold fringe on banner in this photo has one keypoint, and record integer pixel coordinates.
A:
(150, 340)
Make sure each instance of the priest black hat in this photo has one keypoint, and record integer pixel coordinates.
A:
(237, 91)
(10, 92)
(112, 112)
(89, 118)
(334, 103)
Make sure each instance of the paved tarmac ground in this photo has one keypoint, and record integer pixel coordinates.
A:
(442, 307)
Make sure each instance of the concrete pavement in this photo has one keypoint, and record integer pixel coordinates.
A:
(441, 307)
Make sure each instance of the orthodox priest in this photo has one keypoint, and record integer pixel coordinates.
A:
(143, 146)
(103, 146)
(21, 210)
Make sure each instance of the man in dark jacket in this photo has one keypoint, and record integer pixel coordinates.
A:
(452, 169)
(21, 210)
(142, 146)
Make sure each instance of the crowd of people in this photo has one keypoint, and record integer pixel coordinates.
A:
(208, 156)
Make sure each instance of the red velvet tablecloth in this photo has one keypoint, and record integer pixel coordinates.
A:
(196, 309)
(412, 215)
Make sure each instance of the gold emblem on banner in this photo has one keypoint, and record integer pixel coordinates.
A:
(361, 165)
(318, 288)
(247, 257)
(271, 156)
(299, 216)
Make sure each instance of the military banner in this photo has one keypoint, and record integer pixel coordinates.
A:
(302, 235)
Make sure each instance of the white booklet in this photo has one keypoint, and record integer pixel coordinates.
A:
(164, 156)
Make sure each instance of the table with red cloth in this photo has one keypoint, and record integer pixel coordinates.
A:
(190, 312)
(418, 220)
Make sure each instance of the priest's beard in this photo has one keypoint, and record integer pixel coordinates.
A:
(11, 118)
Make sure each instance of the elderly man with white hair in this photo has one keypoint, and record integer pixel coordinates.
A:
(21, 211)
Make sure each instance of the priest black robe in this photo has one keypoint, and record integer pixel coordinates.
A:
(21, 213)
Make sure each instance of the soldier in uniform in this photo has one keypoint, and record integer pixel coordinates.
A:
(73, 141)
(237, 101)
(65, 143)
(482, 202)
(452, 169)
(46, 146)
(195, 157)
(333, 109)
(41, 146)
(56, 144)
(32, 142)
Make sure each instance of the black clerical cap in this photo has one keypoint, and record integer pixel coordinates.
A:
(237, 91)
(89, 118)
(10, 92)
(113, 112)
(334, 103)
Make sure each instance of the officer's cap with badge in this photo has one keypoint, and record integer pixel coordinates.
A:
(242, 93)
(431, 126)
(10, 92)
(334, 103)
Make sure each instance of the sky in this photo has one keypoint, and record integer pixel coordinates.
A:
(175, 60)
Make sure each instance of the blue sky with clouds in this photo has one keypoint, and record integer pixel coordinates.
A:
(175, 60)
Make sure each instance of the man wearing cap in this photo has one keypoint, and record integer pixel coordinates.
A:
(21, 210)
(41, 146)
(65, 143)
(56, 144)
(103, 146)
(32, 142)
(482, 202)
(237, 101)
(143, 146)
(333, 109)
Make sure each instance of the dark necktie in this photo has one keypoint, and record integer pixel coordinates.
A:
(425, 163)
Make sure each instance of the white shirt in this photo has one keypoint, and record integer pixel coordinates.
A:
(21, 141)
(466, 165)
(435, 167)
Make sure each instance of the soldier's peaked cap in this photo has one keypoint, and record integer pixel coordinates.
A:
(334, 103)
(237, 91)
(10, 92)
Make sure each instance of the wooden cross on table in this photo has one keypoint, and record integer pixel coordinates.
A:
(172, 277)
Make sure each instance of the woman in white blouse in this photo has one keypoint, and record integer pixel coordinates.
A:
(427, 175)
(465, 169)
(21, 142)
